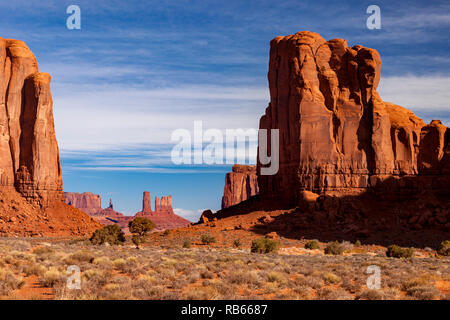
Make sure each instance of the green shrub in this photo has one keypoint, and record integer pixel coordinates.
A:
(358, 243)
(334, 248)
(395, 251)
(311, 245)
(264, 245)
(111, 234)
(444, 248)
(187, 244)
(207, 239)
(140, 226)
(237, 243)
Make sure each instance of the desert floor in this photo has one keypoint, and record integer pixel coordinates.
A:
(175, 267)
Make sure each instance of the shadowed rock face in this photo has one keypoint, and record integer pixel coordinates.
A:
(336, 134)
(240, 185)
(29, 156)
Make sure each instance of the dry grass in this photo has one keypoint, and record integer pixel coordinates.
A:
(214, 273)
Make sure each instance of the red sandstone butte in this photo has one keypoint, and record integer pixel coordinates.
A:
(240, 185)
(163, 216)
(30, 166)
(337, 137)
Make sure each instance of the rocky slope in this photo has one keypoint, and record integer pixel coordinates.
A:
(240, 185)
(30, 167)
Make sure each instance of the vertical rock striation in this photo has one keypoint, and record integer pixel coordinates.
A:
(337, 136)
(29, 158)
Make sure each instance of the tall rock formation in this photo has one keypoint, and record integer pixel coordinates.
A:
(29, 158)
(337, 136)
(240, 185)
(146, 202)
(31, 190)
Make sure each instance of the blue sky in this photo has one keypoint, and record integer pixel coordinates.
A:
(138, 70)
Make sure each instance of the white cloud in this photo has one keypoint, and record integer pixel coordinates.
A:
(427, 95)
(101, 118)
(191, 215)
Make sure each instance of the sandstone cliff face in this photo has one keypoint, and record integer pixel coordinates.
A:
(29, 156)
(163, 216)
(336, 134)
(31, 194)
(240, 185)
(87, 202)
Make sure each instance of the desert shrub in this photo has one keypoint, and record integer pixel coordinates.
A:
(333, 294)
(98, 277)
(80, 257)
(358, 243)
(119, 263)
(276, 277)
(331, 278)
(43, 253)
(444, 248)
(102, 261)
(9, 282)
(207, 239)
(139, 227)
(394, 251)
(187, 244)
(424, 292)
(334, 248)
(371, 295)
(264, 245)
(34, 269)
(166, 232)
(111, 234)
(237, 243)
(206, 274)
(311, 245)
(51, 277)
(42, 250)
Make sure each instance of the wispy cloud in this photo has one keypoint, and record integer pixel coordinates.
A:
(191, 215)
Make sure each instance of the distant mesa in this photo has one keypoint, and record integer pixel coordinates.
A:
(31, 186)
(163, 216)
(337, 137)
